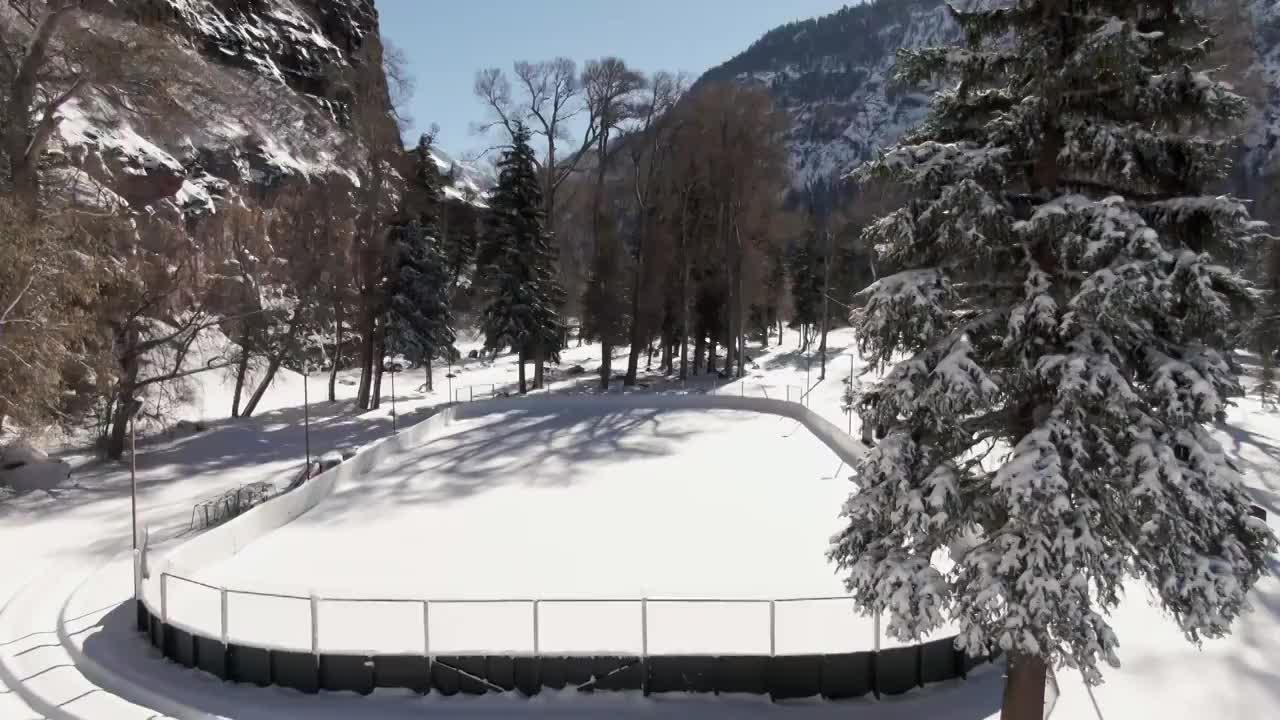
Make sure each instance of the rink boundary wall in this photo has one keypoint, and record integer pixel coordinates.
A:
(836, 676)
(833, 676)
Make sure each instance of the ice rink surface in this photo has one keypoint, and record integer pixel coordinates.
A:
(529, 504)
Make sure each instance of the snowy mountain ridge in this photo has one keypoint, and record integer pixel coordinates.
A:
(834, 76)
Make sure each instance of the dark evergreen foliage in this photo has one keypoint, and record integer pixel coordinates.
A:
(419, 316)
(516, 263)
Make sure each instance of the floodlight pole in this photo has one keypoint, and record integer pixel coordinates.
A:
(306, 420)
(394, 430)
(133, 476)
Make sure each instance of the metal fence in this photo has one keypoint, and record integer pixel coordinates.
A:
(298, 622)
(199, 602)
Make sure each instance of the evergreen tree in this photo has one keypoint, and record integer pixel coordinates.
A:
(518, 262)
(419, 316)
(1065, 302)
(1267, 380)
(806, 289)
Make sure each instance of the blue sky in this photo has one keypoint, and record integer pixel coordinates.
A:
(447, 41)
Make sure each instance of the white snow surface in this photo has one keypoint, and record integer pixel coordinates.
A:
(568, 505)
(66, 570)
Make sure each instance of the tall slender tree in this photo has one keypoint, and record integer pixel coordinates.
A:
(518, 262)
(1067, 309)
(419, 317)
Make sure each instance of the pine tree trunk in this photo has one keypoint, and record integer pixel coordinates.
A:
(367, 356)
(1024, 688)
(430, 388)
(779, 330)
(711, 355)
(699, 348)
(379, 360)
(337, 351)
(539, 361)
(520, 360)
(606, 357)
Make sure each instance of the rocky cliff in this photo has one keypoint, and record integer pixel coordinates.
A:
(250, 96)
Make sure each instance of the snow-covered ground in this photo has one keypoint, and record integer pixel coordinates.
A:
(581, 505)
(65, 556)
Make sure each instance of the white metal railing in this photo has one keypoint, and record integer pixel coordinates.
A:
(197, 613)
(198, 616)
(744, 387)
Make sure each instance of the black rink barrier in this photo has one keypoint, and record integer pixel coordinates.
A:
(836, 676)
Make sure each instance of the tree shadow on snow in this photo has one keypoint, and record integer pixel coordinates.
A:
(269, 447)
(526, 446)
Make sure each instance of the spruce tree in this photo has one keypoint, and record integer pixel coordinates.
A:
(419, 316)
(806, 289)
(1267, 379)
(1066, 312)
(517, 263)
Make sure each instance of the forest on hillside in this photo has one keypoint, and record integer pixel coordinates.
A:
(664, 230)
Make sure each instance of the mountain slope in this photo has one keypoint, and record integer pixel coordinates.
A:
(834, 76)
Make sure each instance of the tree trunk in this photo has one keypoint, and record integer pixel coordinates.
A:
(699, 349)
(242, 369)
(429, 378)
(826, 306)
(273, 366)
(1024, 688)
(779, 330)
(119, 427)
(606, 357)
(637, 286)
(130, 365)
(520, 360)
(539, 361)
(337, 351)
(711, 354)
(379, 360)
(368, 341)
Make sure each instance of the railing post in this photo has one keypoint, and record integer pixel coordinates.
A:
(164, 598)
(877, 628)
(644, 627)
(426, 628)
(226, 633)
(315, 625)
(773, 628)
(536, 645)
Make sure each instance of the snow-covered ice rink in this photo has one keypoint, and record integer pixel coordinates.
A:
(583, 505)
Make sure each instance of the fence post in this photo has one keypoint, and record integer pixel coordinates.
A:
(164, 598)
(877, 628)
(535, 628)
(315, 625)
(426, 627)
(471, 393)
(644, 627)
(773, 628)
(226, 633)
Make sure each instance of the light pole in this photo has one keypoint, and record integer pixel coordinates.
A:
(306, 418)
(392, 367)
(131, 409)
